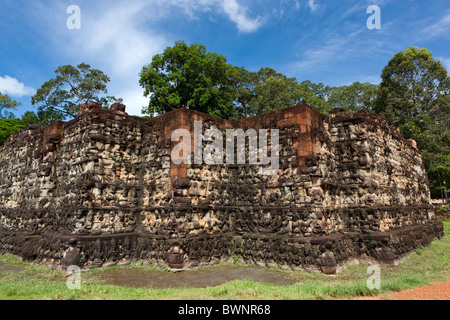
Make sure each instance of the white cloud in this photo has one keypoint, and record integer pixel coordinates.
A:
(312, 5)
(232, 9)
(336, 47)
(440, 27)
(238, 15)
(120, 37)
(14, 88)
(119, 41)
(134, 100)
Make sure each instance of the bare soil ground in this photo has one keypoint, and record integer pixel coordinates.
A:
(193, 279)
(436, 291)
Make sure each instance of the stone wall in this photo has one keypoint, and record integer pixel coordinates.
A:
(102, 190)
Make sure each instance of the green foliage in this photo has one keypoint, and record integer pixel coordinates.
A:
(267, 90)
(274, 91)
(419, 249)
(414, 85)
(43, 117)
(354, 97)
(30, 117)
(315, 95)
(190, 77)
(442, 180)
(7, 103)
(8, 127)
(415, 96)
(62, 96)
(245, 84)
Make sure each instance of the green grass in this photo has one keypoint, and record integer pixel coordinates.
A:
(425, 266)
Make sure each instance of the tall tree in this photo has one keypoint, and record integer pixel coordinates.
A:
(416, 86)
(189, 76)
(315, 95)
(30, 117)
(43, 117)
(415, 96)
(7, 103)
(354, 97)
(245, 85)
(272, 90)
(62, 96)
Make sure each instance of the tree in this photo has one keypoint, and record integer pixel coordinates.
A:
(354, 97)
(414, 86)
(190, 77)
(245, 85)
(315, 95)
(269, 90)
(414, 96)
(30, 117)
(7, 103)
(62, 96)
(8, 127)
(274, 91)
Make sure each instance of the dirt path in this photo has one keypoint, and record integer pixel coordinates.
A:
(436, 291)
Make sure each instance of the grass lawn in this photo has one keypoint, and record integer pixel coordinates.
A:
(425, 266)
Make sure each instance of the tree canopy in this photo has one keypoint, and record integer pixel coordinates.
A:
(190, 77)
(7, 103)
(30, 117)
(268, 90)
(415, 96)
(415, 86)
(273, 91)
(354, 97)
(8, 127)
(62, 96)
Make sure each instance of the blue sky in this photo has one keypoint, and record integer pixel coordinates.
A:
(319, 40)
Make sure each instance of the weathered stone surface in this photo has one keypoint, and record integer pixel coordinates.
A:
(102, 190)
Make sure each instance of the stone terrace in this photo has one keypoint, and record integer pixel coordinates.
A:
(102, 190)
